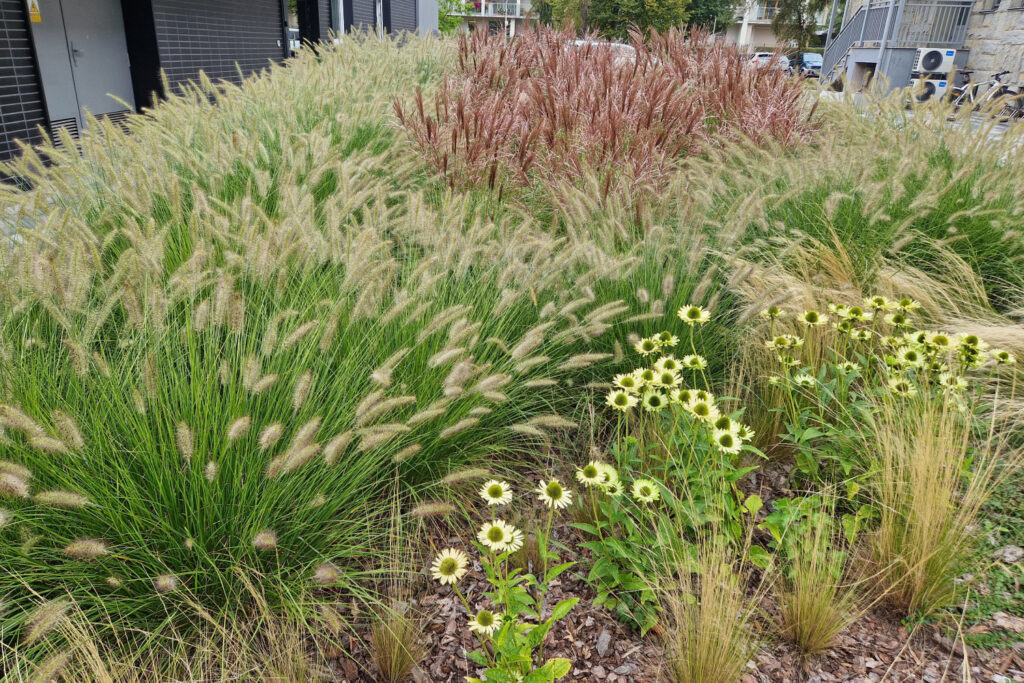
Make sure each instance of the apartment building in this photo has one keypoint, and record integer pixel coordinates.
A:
(753, 27)
(506, 17)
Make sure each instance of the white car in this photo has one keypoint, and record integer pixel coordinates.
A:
(764, 58)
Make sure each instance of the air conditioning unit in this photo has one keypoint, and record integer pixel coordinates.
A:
(926, 87)
(932, 60)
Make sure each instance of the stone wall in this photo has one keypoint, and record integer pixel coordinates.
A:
(996, 40)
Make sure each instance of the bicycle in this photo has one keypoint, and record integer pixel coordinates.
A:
(966, 93)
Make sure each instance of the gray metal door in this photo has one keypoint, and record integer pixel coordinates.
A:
(99, 55)
(80, 47)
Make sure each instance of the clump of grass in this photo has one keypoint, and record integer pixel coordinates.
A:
(707, 617)
(396, 645)
(816, 599)
(933, 476)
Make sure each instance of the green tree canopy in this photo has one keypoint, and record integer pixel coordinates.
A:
(614, 18)
(796, 21)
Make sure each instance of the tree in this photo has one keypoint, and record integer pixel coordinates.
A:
(614, 18)
(796, 21)
(448, 19)
(714, 15)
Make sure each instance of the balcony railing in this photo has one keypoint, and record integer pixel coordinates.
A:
(482, 8)
(901, 24)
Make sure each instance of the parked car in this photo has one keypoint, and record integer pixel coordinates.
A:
(806, 65)
(765, 58)
(621, 52)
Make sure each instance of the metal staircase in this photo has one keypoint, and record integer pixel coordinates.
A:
(897, 24)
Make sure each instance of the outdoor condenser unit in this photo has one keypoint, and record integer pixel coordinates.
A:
(932, 60)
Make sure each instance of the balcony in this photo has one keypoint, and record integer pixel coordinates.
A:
(497, 10)
(893, 24)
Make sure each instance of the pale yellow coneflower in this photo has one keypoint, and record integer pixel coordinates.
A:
(449, 566)
(61, 499)
(270, 435)
(183, 437)
(86, 549)
(238, 428)
(265, 540)
(301, 392)
(485, 623)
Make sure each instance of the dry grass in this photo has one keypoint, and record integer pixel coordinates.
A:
(933, 474)
(396, 645)
(816, 599)
(708, 614)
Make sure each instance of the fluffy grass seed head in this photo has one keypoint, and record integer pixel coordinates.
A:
(693, 315)
(495, 492)
(44, 619)
(68, 500)
(166, 583)
(265, 540)
(326, 574)
(12, 485)
(485, 623)
(553, 494)
(238, 428)
(645, 491)
(270, 435)
(186, 444)
(450, 566)
(85, 549)
(621, 400)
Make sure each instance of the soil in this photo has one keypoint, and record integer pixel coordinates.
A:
(878, 647)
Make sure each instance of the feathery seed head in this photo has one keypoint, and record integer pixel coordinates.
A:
(265, 540)
(302, 386)
(61, 499)
(186, 444)
(432, 509)
(270, 435)
(238, 428)
(326, 574)
(210, 472)
(165, 583)
(44, 619)
(85, 549)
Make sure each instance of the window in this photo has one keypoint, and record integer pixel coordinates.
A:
(766, 10)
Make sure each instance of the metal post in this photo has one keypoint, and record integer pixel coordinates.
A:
(888, 24)
(831, 23)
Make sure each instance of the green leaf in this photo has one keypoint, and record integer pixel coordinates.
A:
(560, 666)
(563, 608)
(759, 557)
(554, 572)
(753, 505)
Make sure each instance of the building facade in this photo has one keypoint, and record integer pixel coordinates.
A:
(506, 17)
(889, 38)
(62, 58)
(753, 27)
